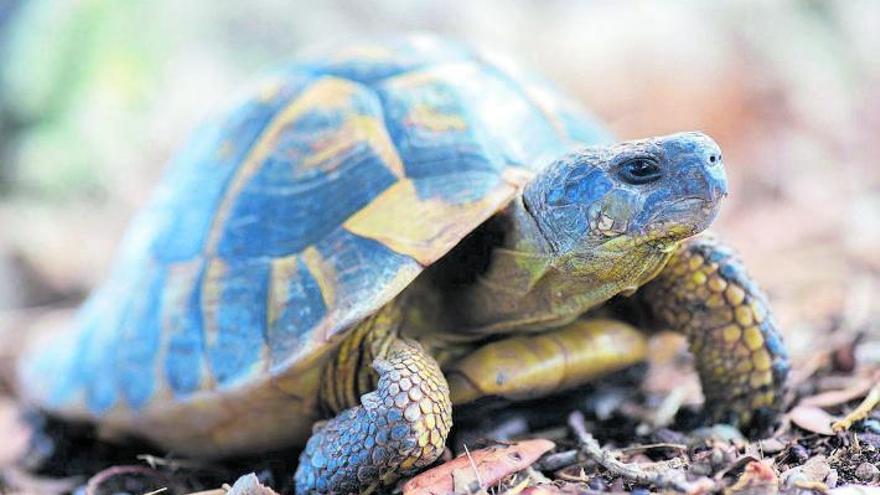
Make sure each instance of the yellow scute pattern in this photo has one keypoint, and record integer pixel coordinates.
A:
(423, 228)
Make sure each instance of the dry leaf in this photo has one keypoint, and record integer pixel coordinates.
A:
(485, 467)
(857, 390)
(812, 419)
(757, 478)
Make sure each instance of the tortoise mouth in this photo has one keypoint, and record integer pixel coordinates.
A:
(682, 218)
(690, 206)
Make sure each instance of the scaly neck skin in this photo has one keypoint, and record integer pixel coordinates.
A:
(531, 287)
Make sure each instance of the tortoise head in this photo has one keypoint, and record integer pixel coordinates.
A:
(650, 193)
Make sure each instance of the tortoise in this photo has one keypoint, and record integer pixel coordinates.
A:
(380, 231)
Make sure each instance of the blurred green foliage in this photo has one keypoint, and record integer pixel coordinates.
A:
(60, 58)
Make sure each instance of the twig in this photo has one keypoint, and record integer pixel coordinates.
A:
(557, 461)
(474, 467)
(861, 412)
(591, 448)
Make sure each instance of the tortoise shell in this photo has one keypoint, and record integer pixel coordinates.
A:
(304, 209)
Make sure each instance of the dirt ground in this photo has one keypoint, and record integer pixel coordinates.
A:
(789, 89)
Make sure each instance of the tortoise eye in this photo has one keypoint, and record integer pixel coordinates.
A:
(639, 171)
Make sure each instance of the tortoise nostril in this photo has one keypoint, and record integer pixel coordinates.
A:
(711, 158)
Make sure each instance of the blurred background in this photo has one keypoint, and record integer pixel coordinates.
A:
(96, 95)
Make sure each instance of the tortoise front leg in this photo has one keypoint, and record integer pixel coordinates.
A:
(705, 292)
(396, 429)
(532, 366)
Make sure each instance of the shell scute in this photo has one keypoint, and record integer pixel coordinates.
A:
(234, 295)
(321, 160)
(135, 359)
(296, 302)
(428, 119)
(364, 274)
(184, 364)
(179, 219)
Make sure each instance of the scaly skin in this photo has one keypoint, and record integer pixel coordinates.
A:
(396, 430)
(531, 366)
(705, 293)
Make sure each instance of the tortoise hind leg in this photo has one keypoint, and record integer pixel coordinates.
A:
(398, 428)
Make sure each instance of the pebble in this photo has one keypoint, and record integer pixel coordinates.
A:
(867, 472)
(798, 453)
(597, 484)
(772, 446)
(870, 425)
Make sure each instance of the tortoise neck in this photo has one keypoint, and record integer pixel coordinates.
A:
(512, 293)
(529, 286)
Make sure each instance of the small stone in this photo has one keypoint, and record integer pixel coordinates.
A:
(832, 479)
(798, 453)
(597, 484)
(869, 425)
(771, 446)
(816, 468)
(867, 472)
